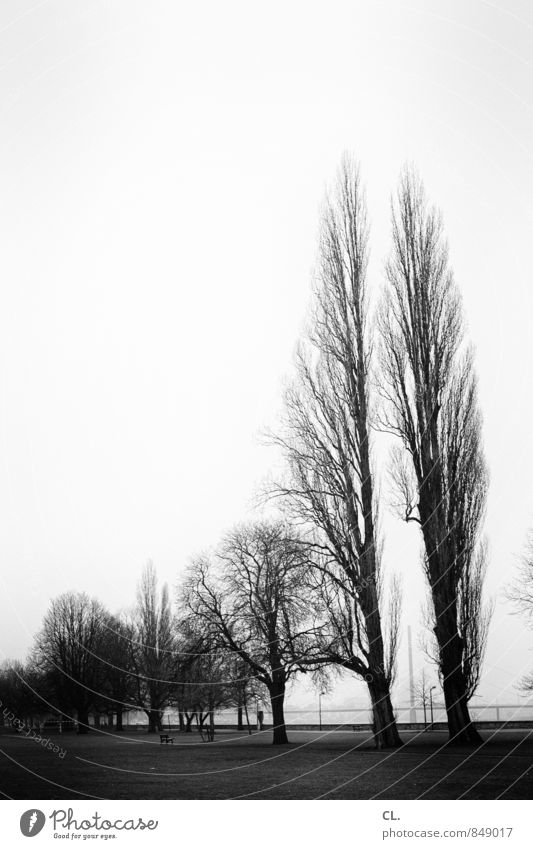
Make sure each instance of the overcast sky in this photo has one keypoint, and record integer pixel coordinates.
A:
(162, 167)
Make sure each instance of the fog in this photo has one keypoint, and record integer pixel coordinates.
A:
(161, 172)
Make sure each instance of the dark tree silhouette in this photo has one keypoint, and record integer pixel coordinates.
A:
(205, 675)
(154, 656)
(118, 682)
(325, 438)
(430, 391)
(254, 602)
(24, 691)
(69, 649)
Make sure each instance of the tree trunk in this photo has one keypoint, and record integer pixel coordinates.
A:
(277, 699)
(247, 717)
(119, 725)
(83, 720)
(384, 722)
(181, 720)
(461, 729)
(188, 722)
(154, 721)
(239, 718)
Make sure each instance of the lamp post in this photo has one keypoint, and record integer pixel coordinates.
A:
(320, 710)
(431, 704)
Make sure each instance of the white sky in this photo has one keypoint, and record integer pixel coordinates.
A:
(161, 171)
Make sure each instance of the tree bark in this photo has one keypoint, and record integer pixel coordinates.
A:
(247, 717)
(277, 699)
(384, 722)
(154, 721)
(462, 731)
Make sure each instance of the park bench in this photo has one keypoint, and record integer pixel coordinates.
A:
(164, 738)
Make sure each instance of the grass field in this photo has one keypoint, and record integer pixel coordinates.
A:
(336, 765)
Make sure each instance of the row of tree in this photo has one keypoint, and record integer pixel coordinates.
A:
(307, 593)
(408, 372)
(86, 660)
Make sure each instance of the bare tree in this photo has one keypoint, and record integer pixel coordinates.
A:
(521, 594)
(205, 675)
(69, 649)
(255, 601)
(326, 440)
(422, 692)
(521, 590)
(246, 691)
(429, 385)
(119, 684)
(24, 692)
(153, 649)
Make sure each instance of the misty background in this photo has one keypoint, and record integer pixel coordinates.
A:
(161, 172)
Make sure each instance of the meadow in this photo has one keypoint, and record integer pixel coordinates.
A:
(327, 764)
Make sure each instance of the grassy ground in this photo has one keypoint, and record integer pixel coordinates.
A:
(342, 765)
